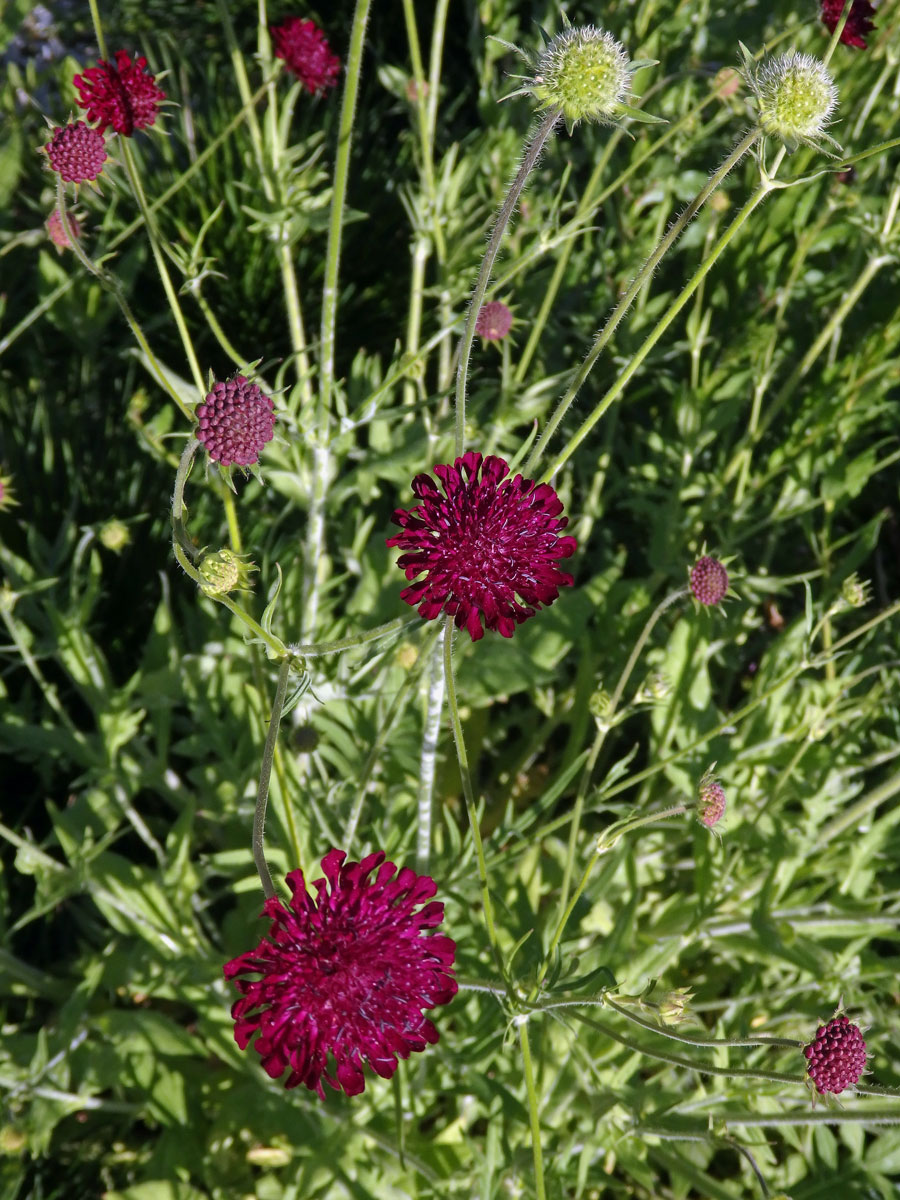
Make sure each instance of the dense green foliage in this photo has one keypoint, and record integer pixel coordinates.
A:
(762, 425)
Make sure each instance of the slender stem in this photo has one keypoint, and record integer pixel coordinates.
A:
(584, 781)
(98, 28)
(265, 772)
(673, 233)
(428, 757)
(666, 320)
(109, 280)
(321, 460)
(533, 1113)
(465, 777)
(532, 153)
(168, 288)
(355, 639)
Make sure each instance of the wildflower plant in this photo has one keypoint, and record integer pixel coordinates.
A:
(361, 684)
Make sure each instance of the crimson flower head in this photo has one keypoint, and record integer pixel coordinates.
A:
(346, 973)
(709, 581)
(836, 1057)
(859, 23)
(124, 96)
(494, 321)
(306, 54)
(480, 543)
(235, 422)
(76, 152)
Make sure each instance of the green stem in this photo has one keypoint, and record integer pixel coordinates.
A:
(168, 288)
(532, 153)
(533, 1113)
(109, 280)
(431, 732)
(98, 29)
(265, 772)
(674, 231)
(356, 639)
(468, 793)
(766, 185)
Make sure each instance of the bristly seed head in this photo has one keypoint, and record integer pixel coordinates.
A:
(796, 97)
(584, 72)
(710, 799)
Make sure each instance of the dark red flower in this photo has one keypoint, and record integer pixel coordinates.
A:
(493, 321)
(124, 96)
(306, 53)
(836, 1056)
(484, 541)
(859, 23)
(76, 152)
(346, 973)
(709, 580)
(235, 422)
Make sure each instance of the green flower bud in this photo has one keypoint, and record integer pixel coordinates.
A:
(796, 97)
(584, 72)
(856, 592)
(114, 535)
(224, 572)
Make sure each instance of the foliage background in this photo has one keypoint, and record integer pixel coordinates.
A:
(133, 713)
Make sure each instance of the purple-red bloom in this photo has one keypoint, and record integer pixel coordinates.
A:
(494, 321)
(235, 422)
(346, 973)
(124, 96)
(306, 53)
(710, 800)
(76, 152)
(709, 581)
(480, 543)
(859, 23)
(836, 1056)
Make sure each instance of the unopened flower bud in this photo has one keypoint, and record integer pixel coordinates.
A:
(223, 572)
(710, 800)
(674, 1006)
(114, 535)
(856, 592)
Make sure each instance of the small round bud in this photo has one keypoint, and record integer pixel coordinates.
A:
(674, 1006)
(656, 686)
(407, 657)
(494, 321)
(710, 800)
(709, 581)
(56, 231)
(114, 535)
(224, 572)
(856, 592)
(598, 704)
(584, 72)
(796, 97)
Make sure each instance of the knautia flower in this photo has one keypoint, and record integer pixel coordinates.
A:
(836, 1057)
(345, 975)
(494, 321)
(710, 799)
(124, 96)
(859, 23)
(76, 152)
(223, 571)
(306, 54)
(796, 98)
(481, 543)
(56, 231)
(585, 73)
(709, 581)
(235, 422)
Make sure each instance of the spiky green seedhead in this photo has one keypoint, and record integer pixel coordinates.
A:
(796, 97)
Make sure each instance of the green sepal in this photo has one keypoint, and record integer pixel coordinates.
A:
(266, 619)
(640, 63)
(638, 114)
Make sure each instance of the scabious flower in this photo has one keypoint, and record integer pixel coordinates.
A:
(836, 1057)
(124, 97)
(235, 422)
(346, 973)
(709, 581)
(76, 152)
(710, 800)
(481, 543)
(584, 73)
(56, 231)
(859, 23)
(796, 98)
(494, 321)
(306, 54)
